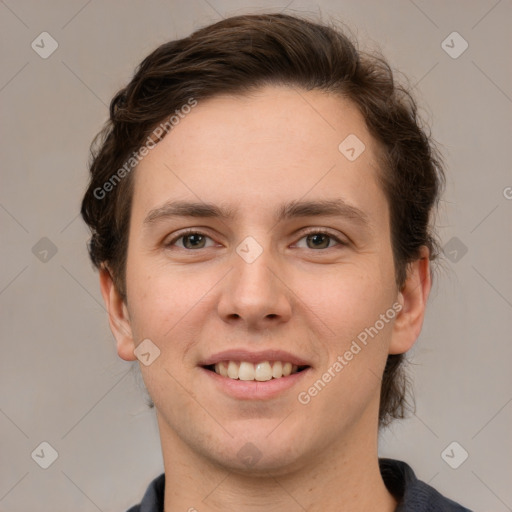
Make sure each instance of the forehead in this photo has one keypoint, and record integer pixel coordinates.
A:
(278, 143)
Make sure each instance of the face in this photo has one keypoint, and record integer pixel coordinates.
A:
(255, 239)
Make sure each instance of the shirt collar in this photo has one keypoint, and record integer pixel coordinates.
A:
(412, 494)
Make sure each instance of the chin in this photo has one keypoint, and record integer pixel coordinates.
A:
(261, 452)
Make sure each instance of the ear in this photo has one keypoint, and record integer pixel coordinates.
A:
(413, 299)
(119, 318)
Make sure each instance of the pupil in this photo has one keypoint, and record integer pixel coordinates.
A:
(319, 238)
(194, 240)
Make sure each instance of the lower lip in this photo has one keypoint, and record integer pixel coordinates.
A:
(253, 389)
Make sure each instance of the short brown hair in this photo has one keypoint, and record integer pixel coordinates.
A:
(236, 56)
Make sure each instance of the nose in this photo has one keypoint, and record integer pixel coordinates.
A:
(255, 293)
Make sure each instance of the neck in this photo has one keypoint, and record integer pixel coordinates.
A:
(340, 478)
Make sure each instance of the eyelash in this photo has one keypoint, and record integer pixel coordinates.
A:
(312, 231)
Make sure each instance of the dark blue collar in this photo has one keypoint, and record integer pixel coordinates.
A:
(412, 494)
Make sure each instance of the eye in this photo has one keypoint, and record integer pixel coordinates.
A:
(190, 240)
(316, 239)
(320, 240)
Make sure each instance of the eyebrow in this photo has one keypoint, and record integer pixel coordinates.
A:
(290, 210)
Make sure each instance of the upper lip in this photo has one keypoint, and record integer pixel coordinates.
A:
(253, 357)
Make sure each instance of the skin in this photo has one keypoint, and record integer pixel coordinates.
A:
(253, 153)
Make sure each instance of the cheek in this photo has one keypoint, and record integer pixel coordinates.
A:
(150, 299)
(356, 305)
(349, 299)
(357, 346)
(168, 304)
(158, 302)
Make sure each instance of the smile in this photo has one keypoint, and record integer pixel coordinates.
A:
(261, 371)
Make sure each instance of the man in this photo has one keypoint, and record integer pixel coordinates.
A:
(260, 206)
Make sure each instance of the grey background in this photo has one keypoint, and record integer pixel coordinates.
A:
(61, 379)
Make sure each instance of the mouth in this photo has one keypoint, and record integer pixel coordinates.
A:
(259, 372)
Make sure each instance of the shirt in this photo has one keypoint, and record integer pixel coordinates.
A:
(412, 494)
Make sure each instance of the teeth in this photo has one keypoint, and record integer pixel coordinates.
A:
(232, 370)
(221, 369)
(261, 371)
(246, 371)
(277, 370)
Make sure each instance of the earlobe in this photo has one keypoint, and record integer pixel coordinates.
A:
(118, 315)
(413, 299)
